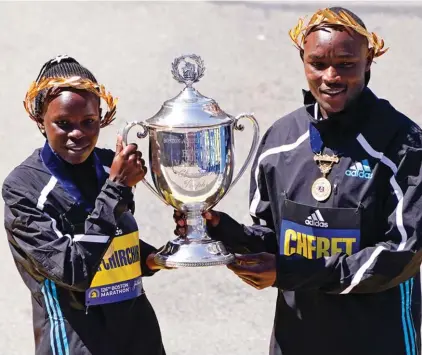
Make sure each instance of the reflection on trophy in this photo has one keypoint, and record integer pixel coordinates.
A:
(191, 162)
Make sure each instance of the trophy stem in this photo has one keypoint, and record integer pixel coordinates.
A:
(196, 226)
(196, 248)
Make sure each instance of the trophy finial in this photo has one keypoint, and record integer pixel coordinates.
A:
(188, 69)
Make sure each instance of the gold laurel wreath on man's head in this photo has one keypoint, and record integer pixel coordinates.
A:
(75, 82)
(326, 16)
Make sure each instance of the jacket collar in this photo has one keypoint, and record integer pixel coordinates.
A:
(349, 120)
(57, 168)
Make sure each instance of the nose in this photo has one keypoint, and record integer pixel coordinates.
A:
(76, 133)
(331, 75)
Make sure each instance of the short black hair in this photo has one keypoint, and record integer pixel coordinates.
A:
(61, 66)
(338, 9)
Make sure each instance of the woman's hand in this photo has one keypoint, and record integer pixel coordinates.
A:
(128, 167)
(153, 266)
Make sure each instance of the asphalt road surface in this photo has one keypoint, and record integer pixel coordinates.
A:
(251, 66)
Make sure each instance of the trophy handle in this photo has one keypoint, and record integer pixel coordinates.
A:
(140, 135)
(254, 147)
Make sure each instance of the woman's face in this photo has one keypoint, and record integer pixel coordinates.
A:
(71, 121)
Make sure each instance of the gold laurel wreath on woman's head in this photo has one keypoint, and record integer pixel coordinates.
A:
(75, 82)
(326, 16)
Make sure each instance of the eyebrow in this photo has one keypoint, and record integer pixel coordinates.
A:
(66, 116)
(341, 55)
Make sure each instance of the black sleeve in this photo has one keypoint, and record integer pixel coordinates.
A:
(259, 237)
(146, 249)
(379, 267)
(35, 236)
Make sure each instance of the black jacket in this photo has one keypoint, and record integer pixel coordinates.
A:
(348, 267)
(85, 301)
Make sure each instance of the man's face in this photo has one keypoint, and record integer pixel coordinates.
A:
(335, 61)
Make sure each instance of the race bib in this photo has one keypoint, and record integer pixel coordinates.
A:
(316, 232)
(119, 275)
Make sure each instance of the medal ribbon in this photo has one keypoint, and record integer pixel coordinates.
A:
(314, 136)
(315, 139)
(321, 188)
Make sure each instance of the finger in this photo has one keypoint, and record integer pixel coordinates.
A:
(119, 144)
(257, 257)
(180, 232)
(139, 160)
(208, 215)
(250, 283)
(258, 283)
(132, 158)
(212, 216)
(178, 215)
(245, 260)
(253, 279)
(140, 167)
(245, 269)
(129, 150)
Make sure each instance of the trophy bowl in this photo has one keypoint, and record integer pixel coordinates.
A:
(191, 159)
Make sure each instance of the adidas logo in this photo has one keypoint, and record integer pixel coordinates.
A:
(316, 220)
(360, 170)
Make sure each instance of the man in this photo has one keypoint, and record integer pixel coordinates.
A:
(336, 198)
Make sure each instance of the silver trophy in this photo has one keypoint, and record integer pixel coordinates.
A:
(191, 157)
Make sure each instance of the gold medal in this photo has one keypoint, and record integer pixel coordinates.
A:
(321, 188)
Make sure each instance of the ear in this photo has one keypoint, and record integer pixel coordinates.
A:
(41, 128)
(369, 59)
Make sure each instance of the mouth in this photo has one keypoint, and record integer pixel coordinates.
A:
(78, 148)
(333, 92)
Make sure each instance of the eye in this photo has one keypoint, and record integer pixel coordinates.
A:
(347, 65)
(318, 65)
(62, 123)
(90, 121)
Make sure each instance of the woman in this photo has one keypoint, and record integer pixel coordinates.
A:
(70, 225)
(336, 201)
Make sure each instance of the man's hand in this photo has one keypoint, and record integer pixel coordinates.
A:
(257, 270)
(212, 217)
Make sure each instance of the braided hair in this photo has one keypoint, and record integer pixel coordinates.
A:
(61, 66)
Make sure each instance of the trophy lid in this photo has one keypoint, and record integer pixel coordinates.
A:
(189, 108)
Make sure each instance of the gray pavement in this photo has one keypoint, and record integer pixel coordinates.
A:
(251, 66)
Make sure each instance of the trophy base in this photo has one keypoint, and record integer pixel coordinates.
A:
(183, 252)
